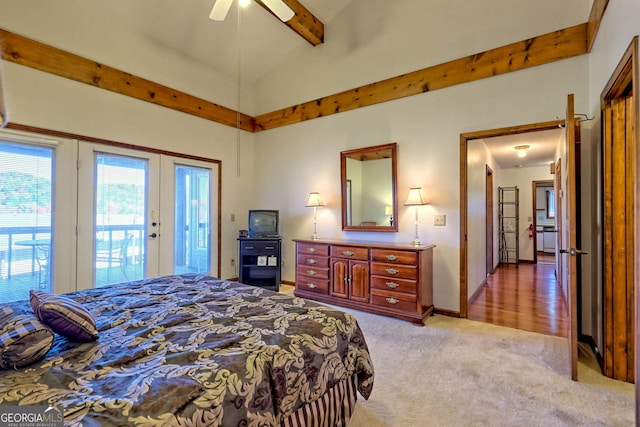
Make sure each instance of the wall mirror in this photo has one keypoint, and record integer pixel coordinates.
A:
(369, 188)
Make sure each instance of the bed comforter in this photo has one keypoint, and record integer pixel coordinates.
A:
(194, 350)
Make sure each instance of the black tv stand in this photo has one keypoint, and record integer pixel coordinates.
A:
(260, 261)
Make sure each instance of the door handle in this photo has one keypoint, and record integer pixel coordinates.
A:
(153, 235)
(573, 252)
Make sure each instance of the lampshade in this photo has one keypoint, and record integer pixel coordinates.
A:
(415, 197)
(314, 200)
(388, 210)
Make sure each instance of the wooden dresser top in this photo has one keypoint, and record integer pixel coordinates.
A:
(362, 243)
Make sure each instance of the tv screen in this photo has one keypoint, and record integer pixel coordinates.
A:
(263, 223)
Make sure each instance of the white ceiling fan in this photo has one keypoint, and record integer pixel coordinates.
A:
(278, 7)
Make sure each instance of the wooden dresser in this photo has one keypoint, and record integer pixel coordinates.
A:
(389, 279)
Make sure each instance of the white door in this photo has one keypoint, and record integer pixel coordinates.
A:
(118, 215)
(143, 214)
(190, 220)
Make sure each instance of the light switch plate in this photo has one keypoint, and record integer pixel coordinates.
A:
(439, 219)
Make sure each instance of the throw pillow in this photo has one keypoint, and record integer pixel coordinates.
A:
(64, 315)
(23, 338)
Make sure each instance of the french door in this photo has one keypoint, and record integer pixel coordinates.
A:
(129, 229)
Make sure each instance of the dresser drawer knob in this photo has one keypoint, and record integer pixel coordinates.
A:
(311, 261)
(312, 250)
(311, 285)
(347, 253)
(311, 272)
(392, 285)
(392, 300)
(392, 271)
(392, 257)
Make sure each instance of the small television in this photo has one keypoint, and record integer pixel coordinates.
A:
(263, 223)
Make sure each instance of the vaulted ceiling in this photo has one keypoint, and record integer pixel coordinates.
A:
(251, 43)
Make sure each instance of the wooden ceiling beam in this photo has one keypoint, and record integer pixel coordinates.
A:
(24, 51)
(550, 47)
(303, 23)
(595, 18)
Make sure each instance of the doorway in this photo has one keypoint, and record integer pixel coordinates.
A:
(475, 158)
(544, 224)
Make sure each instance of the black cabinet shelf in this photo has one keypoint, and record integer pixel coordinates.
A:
(260, 261)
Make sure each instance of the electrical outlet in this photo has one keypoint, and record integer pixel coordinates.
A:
(439, 219)
(233, 217)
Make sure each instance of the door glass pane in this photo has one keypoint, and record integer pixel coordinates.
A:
(192, 220)
(121, 195)
(25, 219)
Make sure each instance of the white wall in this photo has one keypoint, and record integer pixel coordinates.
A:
(427, 129)
(478, 157)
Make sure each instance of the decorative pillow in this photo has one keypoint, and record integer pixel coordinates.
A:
(23, 338)
(64, 315)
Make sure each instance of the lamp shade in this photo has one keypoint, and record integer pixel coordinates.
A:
(388, 210)
(314, 200)
(415, 197)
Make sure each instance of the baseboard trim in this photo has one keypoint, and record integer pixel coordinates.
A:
(477, 293)
(588, 339)
(449, 313)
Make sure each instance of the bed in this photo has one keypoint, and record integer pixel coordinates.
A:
(196, 350)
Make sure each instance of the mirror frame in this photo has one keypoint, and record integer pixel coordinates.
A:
(371, 152)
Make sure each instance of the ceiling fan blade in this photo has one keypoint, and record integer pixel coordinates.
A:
(280, 9)
(220, 9)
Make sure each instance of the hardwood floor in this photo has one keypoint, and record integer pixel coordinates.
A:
(527, 298)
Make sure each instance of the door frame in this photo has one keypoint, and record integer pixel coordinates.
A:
(464, 141)
(489, 183)
(626, 73)
(544, 183)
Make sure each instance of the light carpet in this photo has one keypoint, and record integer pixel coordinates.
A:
(457, 372)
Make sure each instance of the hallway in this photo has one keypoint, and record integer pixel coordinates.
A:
(526, 298)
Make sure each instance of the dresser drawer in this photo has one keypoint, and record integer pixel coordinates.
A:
(313, 261)
(312, 272)
(263, 248)
(350, 252)
(395, 300)
(393, 284)
(394, 270)
(312, 285)
(313, 249)
(394, 256)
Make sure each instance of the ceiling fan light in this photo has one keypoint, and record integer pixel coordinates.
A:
(220, 9)
(280, 9)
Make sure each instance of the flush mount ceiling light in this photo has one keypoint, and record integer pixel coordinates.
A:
(278, 7)
(521, 150)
